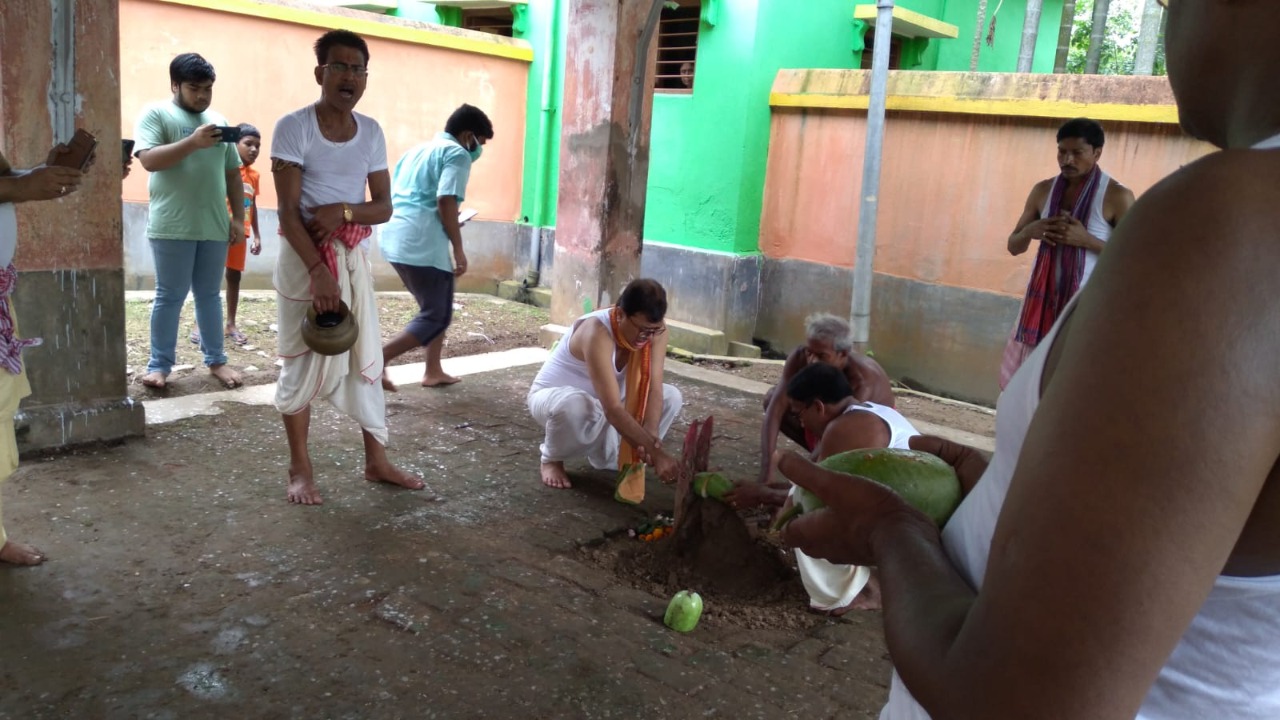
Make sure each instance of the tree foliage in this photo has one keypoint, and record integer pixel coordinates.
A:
(1121, 44)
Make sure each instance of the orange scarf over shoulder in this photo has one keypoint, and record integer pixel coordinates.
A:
(630, 488)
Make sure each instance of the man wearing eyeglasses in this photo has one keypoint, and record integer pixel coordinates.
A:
(322, 158)
(600, 395)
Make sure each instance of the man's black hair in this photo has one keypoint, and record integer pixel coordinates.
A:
(247, 130)
(1088, 130)
(469, 117)
(340, 38)
(819, 381)
(190, 68)
(646, 297)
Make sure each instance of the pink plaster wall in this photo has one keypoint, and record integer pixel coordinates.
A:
(265, 68)
(951, 190)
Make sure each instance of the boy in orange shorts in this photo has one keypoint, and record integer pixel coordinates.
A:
(249, 146)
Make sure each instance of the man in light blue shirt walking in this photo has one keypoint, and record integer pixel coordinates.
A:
(428, 185)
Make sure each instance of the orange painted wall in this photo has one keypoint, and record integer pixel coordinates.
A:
(952, 187)
(265, 68)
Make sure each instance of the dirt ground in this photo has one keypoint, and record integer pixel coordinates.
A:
(182, 585)
(482, 323)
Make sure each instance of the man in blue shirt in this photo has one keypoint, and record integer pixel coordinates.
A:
(429, 183)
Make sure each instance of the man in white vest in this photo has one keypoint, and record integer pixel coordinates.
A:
(822, 398)
(600, 395)
(1072, 215)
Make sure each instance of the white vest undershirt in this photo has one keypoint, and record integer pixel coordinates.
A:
(900, 429)
(562, 369)
(1097, 225)
(1226, 665)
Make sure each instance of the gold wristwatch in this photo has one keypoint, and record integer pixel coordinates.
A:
(346, 212)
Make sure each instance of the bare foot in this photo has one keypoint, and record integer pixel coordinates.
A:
(387, 384)
(834, 612)
(155, 380)
(869, 598)
(554, 476)
(302, 489)
(19, 554)
(385, 472)
(228, 377)
(439, 380)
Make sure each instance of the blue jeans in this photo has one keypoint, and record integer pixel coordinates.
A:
(182, 266)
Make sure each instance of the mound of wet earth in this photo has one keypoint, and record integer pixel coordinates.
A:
(744, 575)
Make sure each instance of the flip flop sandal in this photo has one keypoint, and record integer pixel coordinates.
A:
(238, 337)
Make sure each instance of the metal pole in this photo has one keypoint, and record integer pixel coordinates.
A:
(861, 306)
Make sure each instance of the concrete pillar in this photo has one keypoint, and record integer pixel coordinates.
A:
(604, 154)
(61, 70)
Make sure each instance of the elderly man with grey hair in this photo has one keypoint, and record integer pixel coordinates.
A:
(829, 340)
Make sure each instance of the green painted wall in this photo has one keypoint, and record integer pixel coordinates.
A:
(414, 10)
(538, 199)
(709, 148)
(542, 120)
(1002, 56)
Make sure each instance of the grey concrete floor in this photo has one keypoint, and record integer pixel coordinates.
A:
(182, 585)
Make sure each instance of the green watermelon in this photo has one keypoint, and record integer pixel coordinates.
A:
(924, 480)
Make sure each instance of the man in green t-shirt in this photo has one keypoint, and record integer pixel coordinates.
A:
(193, 178)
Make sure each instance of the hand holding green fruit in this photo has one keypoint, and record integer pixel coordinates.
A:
(853, 509)
(924, 480)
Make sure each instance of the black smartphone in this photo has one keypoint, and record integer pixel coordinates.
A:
(79, 150)
(126, 149)
(228, 133)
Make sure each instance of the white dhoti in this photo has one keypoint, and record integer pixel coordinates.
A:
(830, 586)
(350, 381)
(576, 425)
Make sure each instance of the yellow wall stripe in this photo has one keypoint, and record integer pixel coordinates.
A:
(917, 24)
(1029, 107)
(512, 49)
